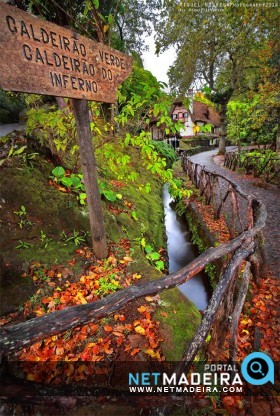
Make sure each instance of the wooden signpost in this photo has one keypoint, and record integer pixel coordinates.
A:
(40, 57)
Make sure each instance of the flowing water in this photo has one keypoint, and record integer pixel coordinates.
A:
(181, 252)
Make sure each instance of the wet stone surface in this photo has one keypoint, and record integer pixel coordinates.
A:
(269, 195)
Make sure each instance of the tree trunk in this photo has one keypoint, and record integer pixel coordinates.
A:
(61, 103)
(88, 163)
(222, 141)
(278, 138)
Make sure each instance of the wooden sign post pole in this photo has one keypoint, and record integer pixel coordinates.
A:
(88, 164)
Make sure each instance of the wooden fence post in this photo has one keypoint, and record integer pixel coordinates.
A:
(98, 234)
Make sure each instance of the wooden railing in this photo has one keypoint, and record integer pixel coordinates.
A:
(195, 150)
(266, 168)
(241, 211)
(225, 302)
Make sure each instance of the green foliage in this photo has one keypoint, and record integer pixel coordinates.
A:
(238, 120)
(108, 193)
(107, 285)
(139, 79)
(16, 153)
(56, 130)
(134, 215)
(33, 100)
(258, 161)
(165, 150)
(13, 152)
(153, 256)
(53, 129)
(255, 119)
(23, 245)
(23, 221)
(82, 196)
(72, 181)
(78, 238)
(39, 272)
(58, 172)
(154, 103)
(75, 183)
(180, 208)
(21, 212)
(151, 160)
(210, 269)
(45, 240)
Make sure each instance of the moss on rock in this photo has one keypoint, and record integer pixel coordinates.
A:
(179, 319)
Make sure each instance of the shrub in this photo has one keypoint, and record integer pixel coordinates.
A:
(165, 150)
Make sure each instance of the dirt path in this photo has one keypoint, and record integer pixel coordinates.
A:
(268, 194)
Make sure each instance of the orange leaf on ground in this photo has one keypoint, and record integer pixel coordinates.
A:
(148, 316)
(95, 349)
(108, 350)
(142, 309)
(135, 351)
(120, 340)
(108, 328)
(119, 317)
(153, 343)
(118, 334)
(45, 300)
(59, 350)
(39, 312)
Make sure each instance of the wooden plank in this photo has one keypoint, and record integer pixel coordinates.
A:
(40, 57)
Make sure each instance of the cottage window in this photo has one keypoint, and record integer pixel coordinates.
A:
(186, 116)
(174, 116)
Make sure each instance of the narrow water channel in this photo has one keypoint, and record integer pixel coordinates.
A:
(181, 251)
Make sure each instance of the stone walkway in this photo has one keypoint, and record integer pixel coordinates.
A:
(268, 194)
(8, 128)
